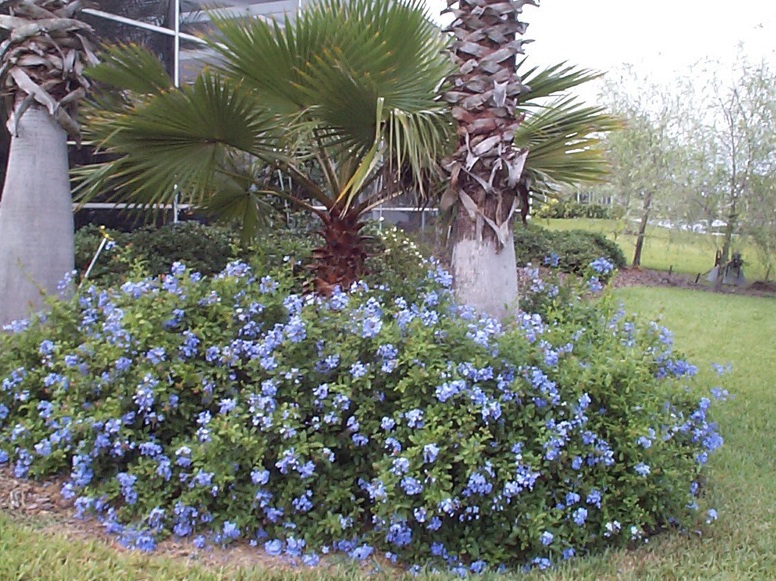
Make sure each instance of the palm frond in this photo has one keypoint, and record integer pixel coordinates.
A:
(178, 137)
(129, 67)
(336, 61)
(563, 140)
(237, 197)
(552, 81)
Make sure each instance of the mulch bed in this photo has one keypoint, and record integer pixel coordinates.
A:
(646, 277)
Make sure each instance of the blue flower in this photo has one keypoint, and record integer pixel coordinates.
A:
(289, 460)
(542, 563)
(358, 369)
(371, 327)
(156, 355)
(411, 486)
(46, 347)
(360, 439)
(477, 485)
(414, 418)
(260, 476)
(430, 453)
(400, 466)
(594, 498)
(602, 266)
(579, 516)
(552, 260)
(230, 530)
(227, 405)
(361, 552)
(594, 284)
(447, 390)
(711, 515)
(546, 538)
(274, 547)
(642, 469)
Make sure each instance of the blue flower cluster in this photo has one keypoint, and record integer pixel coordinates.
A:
(231, 407)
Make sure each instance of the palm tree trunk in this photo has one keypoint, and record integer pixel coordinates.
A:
(484, 271)
(36, 216)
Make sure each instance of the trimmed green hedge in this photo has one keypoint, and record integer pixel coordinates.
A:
(574, 249)
(572, 209)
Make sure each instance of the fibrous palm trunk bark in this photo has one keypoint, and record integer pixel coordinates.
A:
(36, 215)
(485, 169)
(341, 259)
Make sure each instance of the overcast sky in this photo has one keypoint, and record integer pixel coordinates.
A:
(660, 36)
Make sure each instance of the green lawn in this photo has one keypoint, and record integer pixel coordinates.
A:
(663, 248)
(708, 327)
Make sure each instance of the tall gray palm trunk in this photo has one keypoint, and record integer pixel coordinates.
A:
(36, 216)
(42, 61)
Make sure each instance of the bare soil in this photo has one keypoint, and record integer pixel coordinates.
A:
(656, 278)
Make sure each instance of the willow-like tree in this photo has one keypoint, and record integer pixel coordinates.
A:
(43, 60)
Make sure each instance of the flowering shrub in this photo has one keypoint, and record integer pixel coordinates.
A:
(231, 407)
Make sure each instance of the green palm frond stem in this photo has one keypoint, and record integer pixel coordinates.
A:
(341, 99)
(564, 143)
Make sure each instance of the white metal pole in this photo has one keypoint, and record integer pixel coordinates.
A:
(176, 78)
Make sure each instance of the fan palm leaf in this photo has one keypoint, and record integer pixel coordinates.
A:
(563, 143)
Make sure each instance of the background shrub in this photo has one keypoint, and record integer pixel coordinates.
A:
(394, 260)
(153, 250)
(566, 209)
(571, 251)
(216, 408)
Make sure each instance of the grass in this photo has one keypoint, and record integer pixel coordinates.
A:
(686, 252)
(741, 545)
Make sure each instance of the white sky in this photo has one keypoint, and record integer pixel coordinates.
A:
(658, 37)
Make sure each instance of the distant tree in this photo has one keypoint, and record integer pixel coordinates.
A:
(743, 127)
(646, 157)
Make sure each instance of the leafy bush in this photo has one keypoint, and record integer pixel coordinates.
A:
(571, 251)
(394, 260)
(206, 249)
(570, 209)
(216, 408)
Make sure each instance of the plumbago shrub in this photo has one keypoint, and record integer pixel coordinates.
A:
(231, 407)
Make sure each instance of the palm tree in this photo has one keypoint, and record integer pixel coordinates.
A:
(341, 99)
(485, 169)
(43, 60)
(489, 178)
